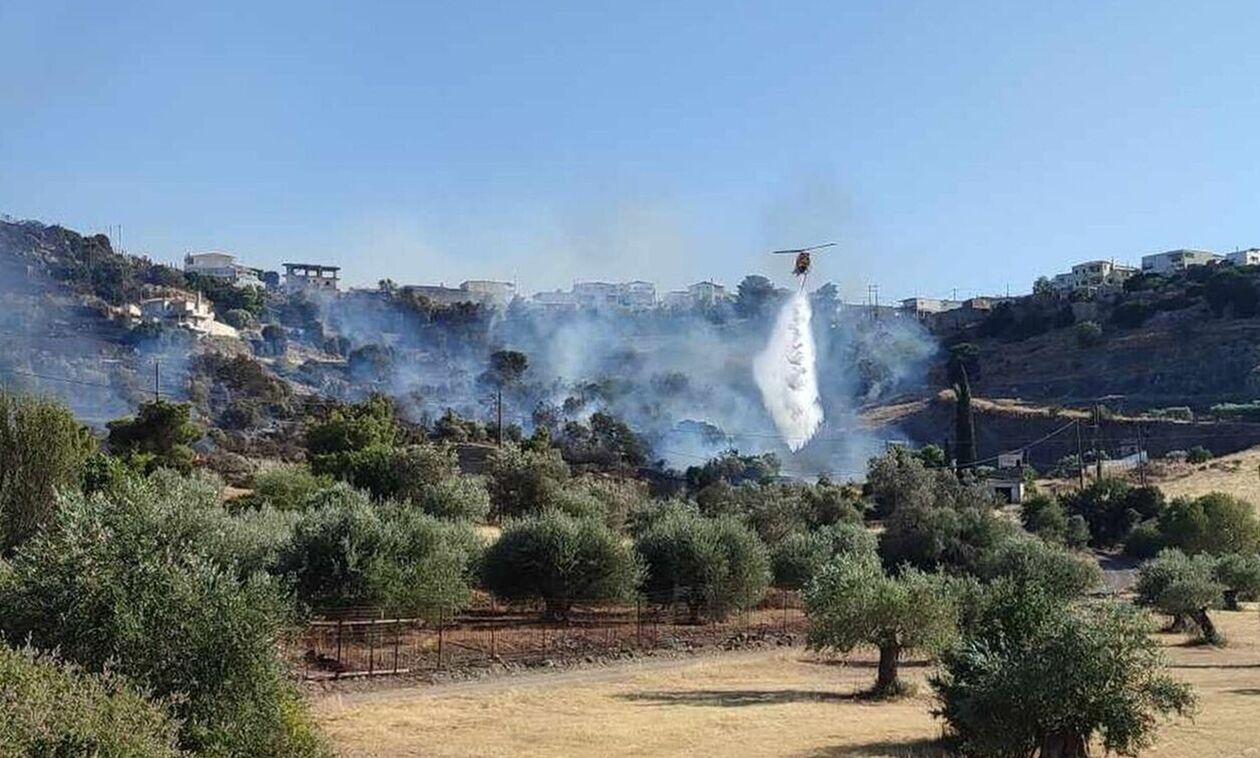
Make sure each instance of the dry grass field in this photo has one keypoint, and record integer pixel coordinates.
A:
(784, 702)
(1237, 474)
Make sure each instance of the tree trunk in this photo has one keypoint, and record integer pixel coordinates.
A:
(1179, 624)
(1231, 600)
(886, 682)
(1063, 745)
(1206, 626)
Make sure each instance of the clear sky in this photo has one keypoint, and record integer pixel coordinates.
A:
(967, 145)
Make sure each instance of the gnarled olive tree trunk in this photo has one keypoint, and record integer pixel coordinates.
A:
(1064, 745)
(886, 682)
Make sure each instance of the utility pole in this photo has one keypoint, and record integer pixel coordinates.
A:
(1080, 456)
(1141, 452)
(500, 414)
(1098, 466)
(157, 379)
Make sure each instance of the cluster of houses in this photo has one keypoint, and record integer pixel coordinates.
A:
(1092, 276)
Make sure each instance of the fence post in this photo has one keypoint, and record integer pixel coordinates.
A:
(493, 624)
(397, 635)
(339, 666)
(371, 629)
(638, 622)
(785, 603)
(441, 616)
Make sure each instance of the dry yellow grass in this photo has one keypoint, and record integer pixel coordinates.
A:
(777, 703)
(1236, 474)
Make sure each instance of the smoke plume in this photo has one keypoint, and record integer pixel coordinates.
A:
(785, 374)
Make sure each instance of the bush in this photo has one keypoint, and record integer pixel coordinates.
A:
(459, 498)
(1041, 678)
(240, 318)
(853, 602)
(1240, 576)
(1111, 508)
(798, 558)
(391, 473)
(1053, 570)
(1182, 587)
(114, 583)
(43, 451)
(561, 560)
(1215, 523)
(285, 488)
(523, 481)
(1088, 334)
(714, 565)
(354, 427)
(55, 709)
(1145, 540)
(941, 523)
(1198, 454)
(159, 435)
(347, 552)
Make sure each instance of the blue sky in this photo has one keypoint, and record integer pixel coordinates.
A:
(966, 146)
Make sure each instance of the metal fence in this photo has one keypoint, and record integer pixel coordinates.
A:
(363, 642)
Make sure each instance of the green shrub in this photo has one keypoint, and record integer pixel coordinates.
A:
(160, 435)
(285, 488)
(117, 583)
(1198, 454)
(1240, 576)
(347, 552)
(1112, 507)
(240, 318)
(524, 481)
(354, 427)
(43, 451)
(798, 558)
(853, 602)
(1088, 334)
(715, 565)
(55, 709)
(1215, 523)
(1053, 570)
(561, 560)
(390, 473)
(459, 498)
(1039, 677)
(1145, 540)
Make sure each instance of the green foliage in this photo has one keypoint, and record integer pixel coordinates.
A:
(562, 560)
(1145, 540)
(1111, 508)
(964, 422)
(753, 295)
(351, 428)
(43, 451)
(1182, 587)
(1040, 677)
(1230, 290)
(1045, 517)
(286, 488)
(1031, 562)
(1249, 411)
(55, 709)
(853, 602)
(1131, 315)
(506, 367)
(226, 296)
(604, 440)
(1088, 334)
(735, 469)
(1198, 454)
(797, 558)
(776, 510)
(458, 498)
(715, 565)
(1215, 523)
(932, 456)
(524, 480)
(118, 582)
(240, 318)
(159, 435)
(1240, 576)
(347, 552)
(391, 473)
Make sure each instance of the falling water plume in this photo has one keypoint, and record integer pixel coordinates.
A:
(785, 373)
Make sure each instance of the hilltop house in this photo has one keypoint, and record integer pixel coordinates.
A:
(222, 265)
(183, 310)
(1091, 276)
(311, 277)
(1177, 260)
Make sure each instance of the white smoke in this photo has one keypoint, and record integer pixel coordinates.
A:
(785, 373)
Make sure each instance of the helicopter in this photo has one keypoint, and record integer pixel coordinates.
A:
(801, 268)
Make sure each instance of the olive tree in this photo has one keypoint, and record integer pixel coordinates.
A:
(714, 565)
(1182, 587)
(854, 602)
(1240, 576)
(524, 480)
(797, 558)
(1041, 677)
(561, 560)
(42, 452)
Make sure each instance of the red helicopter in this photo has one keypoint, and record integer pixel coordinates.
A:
(801, 268)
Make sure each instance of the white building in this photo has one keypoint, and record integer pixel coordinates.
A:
(311, 277)
(636, 294)
(1248, 257)
(1092, 275)
(222, 265)
(706, 293)
(921, 307)
(186, 311)
(1177, 260)
(498, 294)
